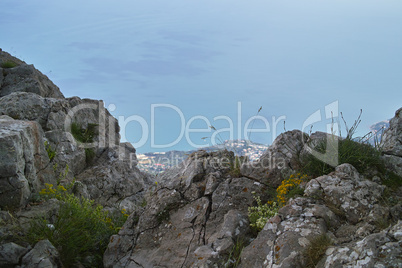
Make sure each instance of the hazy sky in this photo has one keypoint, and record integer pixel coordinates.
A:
(202, 58)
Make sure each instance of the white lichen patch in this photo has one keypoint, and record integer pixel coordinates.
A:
(303, 242)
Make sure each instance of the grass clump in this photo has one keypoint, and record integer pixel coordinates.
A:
(50, 152)
(233, 260)
(314, 252)
(84, 135)
(235, 166)
(362, 156)
(81, 230)
(8, 64)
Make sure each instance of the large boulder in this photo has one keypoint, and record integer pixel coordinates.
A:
(382, 249)
(392, 144)
(44, 254)
(11, 254)
(113, 180)
(56, 117)
(345, 207)
(25, 78)
(392, 138)
(287, 235)
(59, 114)
(24, 163)
(194, 215)
(348, 191)
(279, 161)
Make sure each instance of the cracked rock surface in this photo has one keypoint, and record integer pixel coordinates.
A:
(193, 217)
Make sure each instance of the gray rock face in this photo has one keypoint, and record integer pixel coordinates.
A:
(58, 114)
(10, 254)
(4, 57)
(280, 160)
(346, 208)
(193, 216)
(68, 153)
(285, 236)
(24, 164)
(47, 210)
(348, 191)
(25, 78)
(26, 106)
(113, 182)
(392, 138)
(383, 249)
(44, 254)
(392, 144)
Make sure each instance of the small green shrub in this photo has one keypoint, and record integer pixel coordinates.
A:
(314, 252)
(84, 135)
(50, 152)
(260, 214)
(81, 230)
(8, 64)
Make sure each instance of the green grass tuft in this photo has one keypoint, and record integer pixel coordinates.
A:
(8, 64)
(233, 260)
(84, 135)
(362, 156)
(50, 152)
(314, 252)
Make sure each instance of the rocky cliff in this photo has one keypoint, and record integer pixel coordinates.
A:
(198, 213)
(38, 147)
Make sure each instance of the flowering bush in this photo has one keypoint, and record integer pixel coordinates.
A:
(260, 214)
(289, 188)
(80, 230)
(49, 192)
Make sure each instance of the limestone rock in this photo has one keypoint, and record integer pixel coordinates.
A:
(59, 114)
(285, 236)
(184, 224)
(347, 191)
(44, 254)
(47, 210)
(392, 144)
(383, 249)
(4, 57)
(114, 182)
(26, 106)
(11, 253)
(392, 137)
(25, 78)
(67, 153)
(280, 160)
(24, 163)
